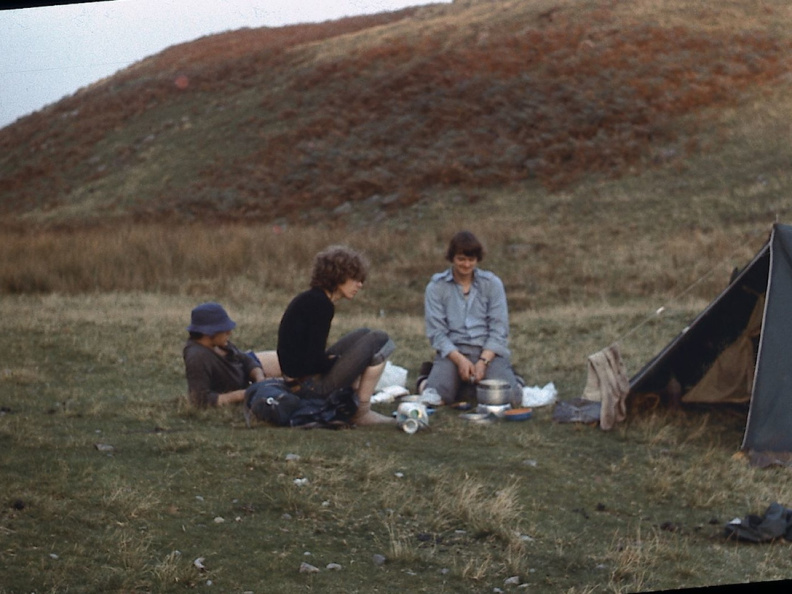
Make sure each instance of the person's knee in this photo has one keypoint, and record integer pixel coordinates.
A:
(378, 337)
(386, 348)
(446, 390)
(447, 395)
(517, 395)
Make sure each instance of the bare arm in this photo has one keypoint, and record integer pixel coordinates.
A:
(230, 397)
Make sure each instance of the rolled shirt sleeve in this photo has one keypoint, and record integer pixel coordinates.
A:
(438, 329)
(497, 320)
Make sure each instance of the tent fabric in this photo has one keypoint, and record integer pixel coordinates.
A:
(607, 383)
(731, 376)
(739, 349)
(688, 356)
(770, 414)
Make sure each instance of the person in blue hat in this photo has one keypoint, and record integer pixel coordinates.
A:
(217, 371)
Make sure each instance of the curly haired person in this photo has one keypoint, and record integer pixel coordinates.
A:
(357, 359)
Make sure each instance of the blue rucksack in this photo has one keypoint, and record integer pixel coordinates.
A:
(273, 402)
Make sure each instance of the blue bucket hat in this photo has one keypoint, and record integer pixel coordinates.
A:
(210, 318)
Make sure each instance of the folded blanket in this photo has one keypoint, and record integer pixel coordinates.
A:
(607, 383)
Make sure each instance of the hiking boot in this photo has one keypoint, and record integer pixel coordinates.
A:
(423, 375)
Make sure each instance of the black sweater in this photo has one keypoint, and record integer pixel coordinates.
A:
(303, 332)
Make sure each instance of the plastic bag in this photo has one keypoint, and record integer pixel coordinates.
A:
(389, 394)
(536, 396)
(392, 375)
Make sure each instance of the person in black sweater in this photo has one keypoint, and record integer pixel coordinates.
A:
(356, 360)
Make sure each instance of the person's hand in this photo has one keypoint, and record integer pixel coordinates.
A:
(466, 369)
(479, 370)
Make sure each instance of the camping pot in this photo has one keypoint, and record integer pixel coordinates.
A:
(493, 392)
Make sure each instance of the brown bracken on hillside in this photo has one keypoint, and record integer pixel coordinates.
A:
(549, 100)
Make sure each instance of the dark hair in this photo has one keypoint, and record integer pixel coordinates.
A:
(336, 264)
(196, 335)
(464, 242)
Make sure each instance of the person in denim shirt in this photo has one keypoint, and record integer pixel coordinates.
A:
(467, 324)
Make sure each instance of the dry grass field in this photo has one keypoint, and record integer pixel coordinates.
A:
(615, 158)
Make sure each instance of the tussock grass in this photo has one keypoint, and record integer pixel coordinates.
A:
(633, 558)
(484, 509)
(402, 546)
(171, 570)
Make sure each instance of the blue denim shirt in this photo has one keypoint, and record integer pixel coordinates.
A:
(481, 319)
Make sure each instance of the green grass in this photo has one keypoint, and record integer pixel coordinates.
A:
(566, 508)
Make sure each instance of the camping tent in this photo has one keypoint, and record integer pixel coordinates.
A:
(739, 349)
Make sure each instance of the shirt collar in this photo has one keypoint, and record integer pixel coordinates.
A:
(448, 276)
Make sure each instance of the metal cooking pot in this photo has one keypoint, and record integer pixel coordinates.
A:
(493, 392)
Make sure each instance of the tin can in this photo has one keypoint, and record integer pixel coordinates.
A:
(410, 426)
(412, 416)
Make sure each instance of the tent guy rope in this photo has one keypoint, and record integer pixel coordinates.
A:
(659, 311)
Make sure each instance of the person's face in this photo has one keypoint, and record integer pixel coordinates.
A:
(221, 339)
(463, 265)
(349, 288)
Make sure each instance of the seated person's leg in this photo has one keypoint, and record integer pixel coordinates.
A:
(444, 379)
(361, 361)
(367, 382)
(269, 363)
(346, 342)
(356, 352)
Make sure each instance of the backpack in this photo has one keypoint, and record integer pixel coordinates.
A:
(272, 401)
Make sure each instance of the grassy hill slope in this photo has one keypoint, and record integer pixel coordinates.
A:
(384, 112)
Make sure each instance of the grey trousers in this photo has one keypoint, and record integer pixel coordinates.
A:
(444, 376)
(354, 352)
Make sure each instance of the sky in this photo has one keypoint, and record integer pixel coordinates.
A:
(49, 52)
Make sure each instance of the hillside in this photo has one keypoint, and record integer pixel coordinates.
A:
(391, 110)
